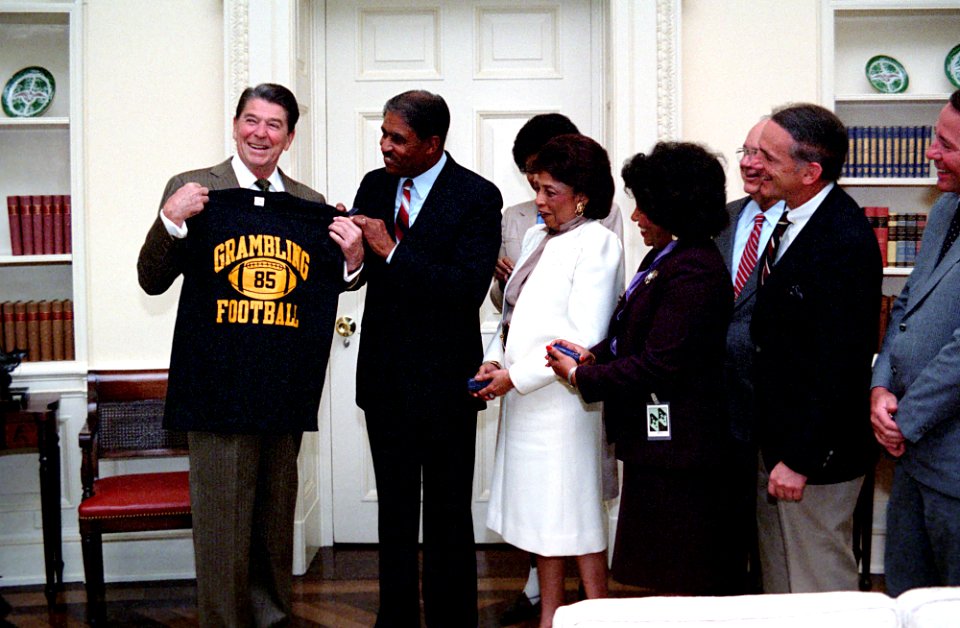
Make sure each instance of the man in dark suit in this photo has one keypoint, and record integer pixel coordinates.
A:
(752, 220)
(243, 485)
(915, 400)
(432, 229)
(814, 326)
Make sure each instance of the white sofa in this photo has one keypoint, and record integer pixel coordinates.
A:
(921, 608)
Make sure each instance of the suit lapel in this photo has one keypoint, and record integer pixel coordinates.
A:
(425, 217)
(223, 176)
(805, 243)
(937, 273)
(727, 238)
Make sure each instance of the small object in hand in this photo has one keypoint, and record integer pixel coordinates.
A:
(474, 385)
(352, 211)
(567, 352)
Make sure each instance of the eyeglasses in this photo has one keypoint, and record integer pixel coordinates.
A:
(743, 151)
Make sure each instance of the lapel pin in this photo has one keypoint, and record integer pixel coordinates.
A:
(650, 276)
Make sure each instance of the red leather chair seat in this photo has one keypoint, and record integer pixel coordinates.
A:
(138, 495)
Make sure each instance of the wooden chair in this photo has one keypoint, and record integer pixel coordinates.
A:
(124, 421)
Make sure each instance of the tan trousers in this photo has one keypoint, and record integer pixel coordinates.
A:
(243, 493)
(807, 546)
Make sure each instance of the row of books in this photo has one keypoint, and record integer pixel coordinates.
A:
(40, 224)
(888, 151)
(44, 329)
(898, 235)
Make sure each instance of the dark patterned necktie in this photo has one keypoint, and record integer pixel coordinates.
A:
(770, 253)
(952, 234)
(263, 184)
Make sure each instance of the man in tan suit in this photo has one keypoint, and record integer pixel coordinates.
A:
(243, 477)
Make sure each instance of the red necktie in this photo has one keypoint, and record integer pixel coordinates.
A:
(403, 215)
(748, 260)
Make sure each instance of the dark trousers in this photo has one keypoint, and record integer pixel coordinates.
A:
(439, 450)
(243, 493)
(923, 536)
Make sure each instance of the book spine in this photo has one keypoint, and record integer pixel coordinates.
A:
(912, 152)
(883, 151)
(13, 213)
(858, 168)
(36, 213)
(889, 160)
(883, 231)
(46, 330)
(26, 226)
(872, 138)
(56, 326)
(904, 159)
(20, 325)
(895, 152)
(33, 332)
(851, 154)
(58, 224)
(927, 140)
(67, 226)
(9, 329)
(892, 234)
(68, 348)
(47, 222)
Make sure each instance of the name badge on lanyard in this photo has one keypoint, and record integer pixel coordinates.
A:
(658, 420)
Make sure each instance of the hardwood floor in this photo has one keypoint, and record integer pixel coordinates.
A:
(339, 590)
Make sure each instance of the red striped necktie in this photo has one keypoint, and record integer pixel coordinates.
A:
(748, 260)
(403, 215)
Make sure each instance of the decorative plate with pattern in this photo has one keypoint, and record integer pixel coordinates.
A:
(28, 93)
(887, 75)
(951, 65)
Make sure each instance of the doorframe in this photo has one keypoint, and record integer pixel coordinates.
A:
(640, 40)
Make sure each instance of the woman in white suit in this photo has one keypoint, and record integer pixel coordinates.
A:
(546, 493)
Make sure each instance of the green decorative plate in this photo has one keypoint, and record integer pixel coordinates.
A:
(887, 75)
(29, 92)
(951, 65)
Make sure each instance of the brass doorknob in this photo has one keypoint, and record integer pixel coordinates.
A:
(346, 326)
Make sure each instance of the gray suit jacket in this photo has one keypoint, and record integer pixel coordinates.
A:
(738, 362)
(160, 260)
(920, 359)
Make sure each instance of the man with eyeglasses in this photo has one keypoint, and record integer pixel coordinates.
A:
(752, 220)
(915, 399)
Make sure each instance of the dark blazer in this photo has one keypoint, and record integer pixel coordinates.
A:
(670, 341)
(815, 330)
(161, 256)
(918, 362)
(738, 363)
(420, 336)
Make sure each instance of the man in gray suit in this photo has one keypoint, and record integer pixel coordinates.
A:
(243, 480)
(915, 399)
(752, 220)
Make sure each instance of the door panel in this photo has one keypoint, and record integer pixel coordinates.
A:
(496, 64)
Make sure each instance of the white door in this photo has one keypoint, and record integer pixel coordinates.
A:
(496, 63)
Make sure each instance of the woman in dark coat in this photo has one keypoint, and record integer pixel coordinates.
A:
(659, 375)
